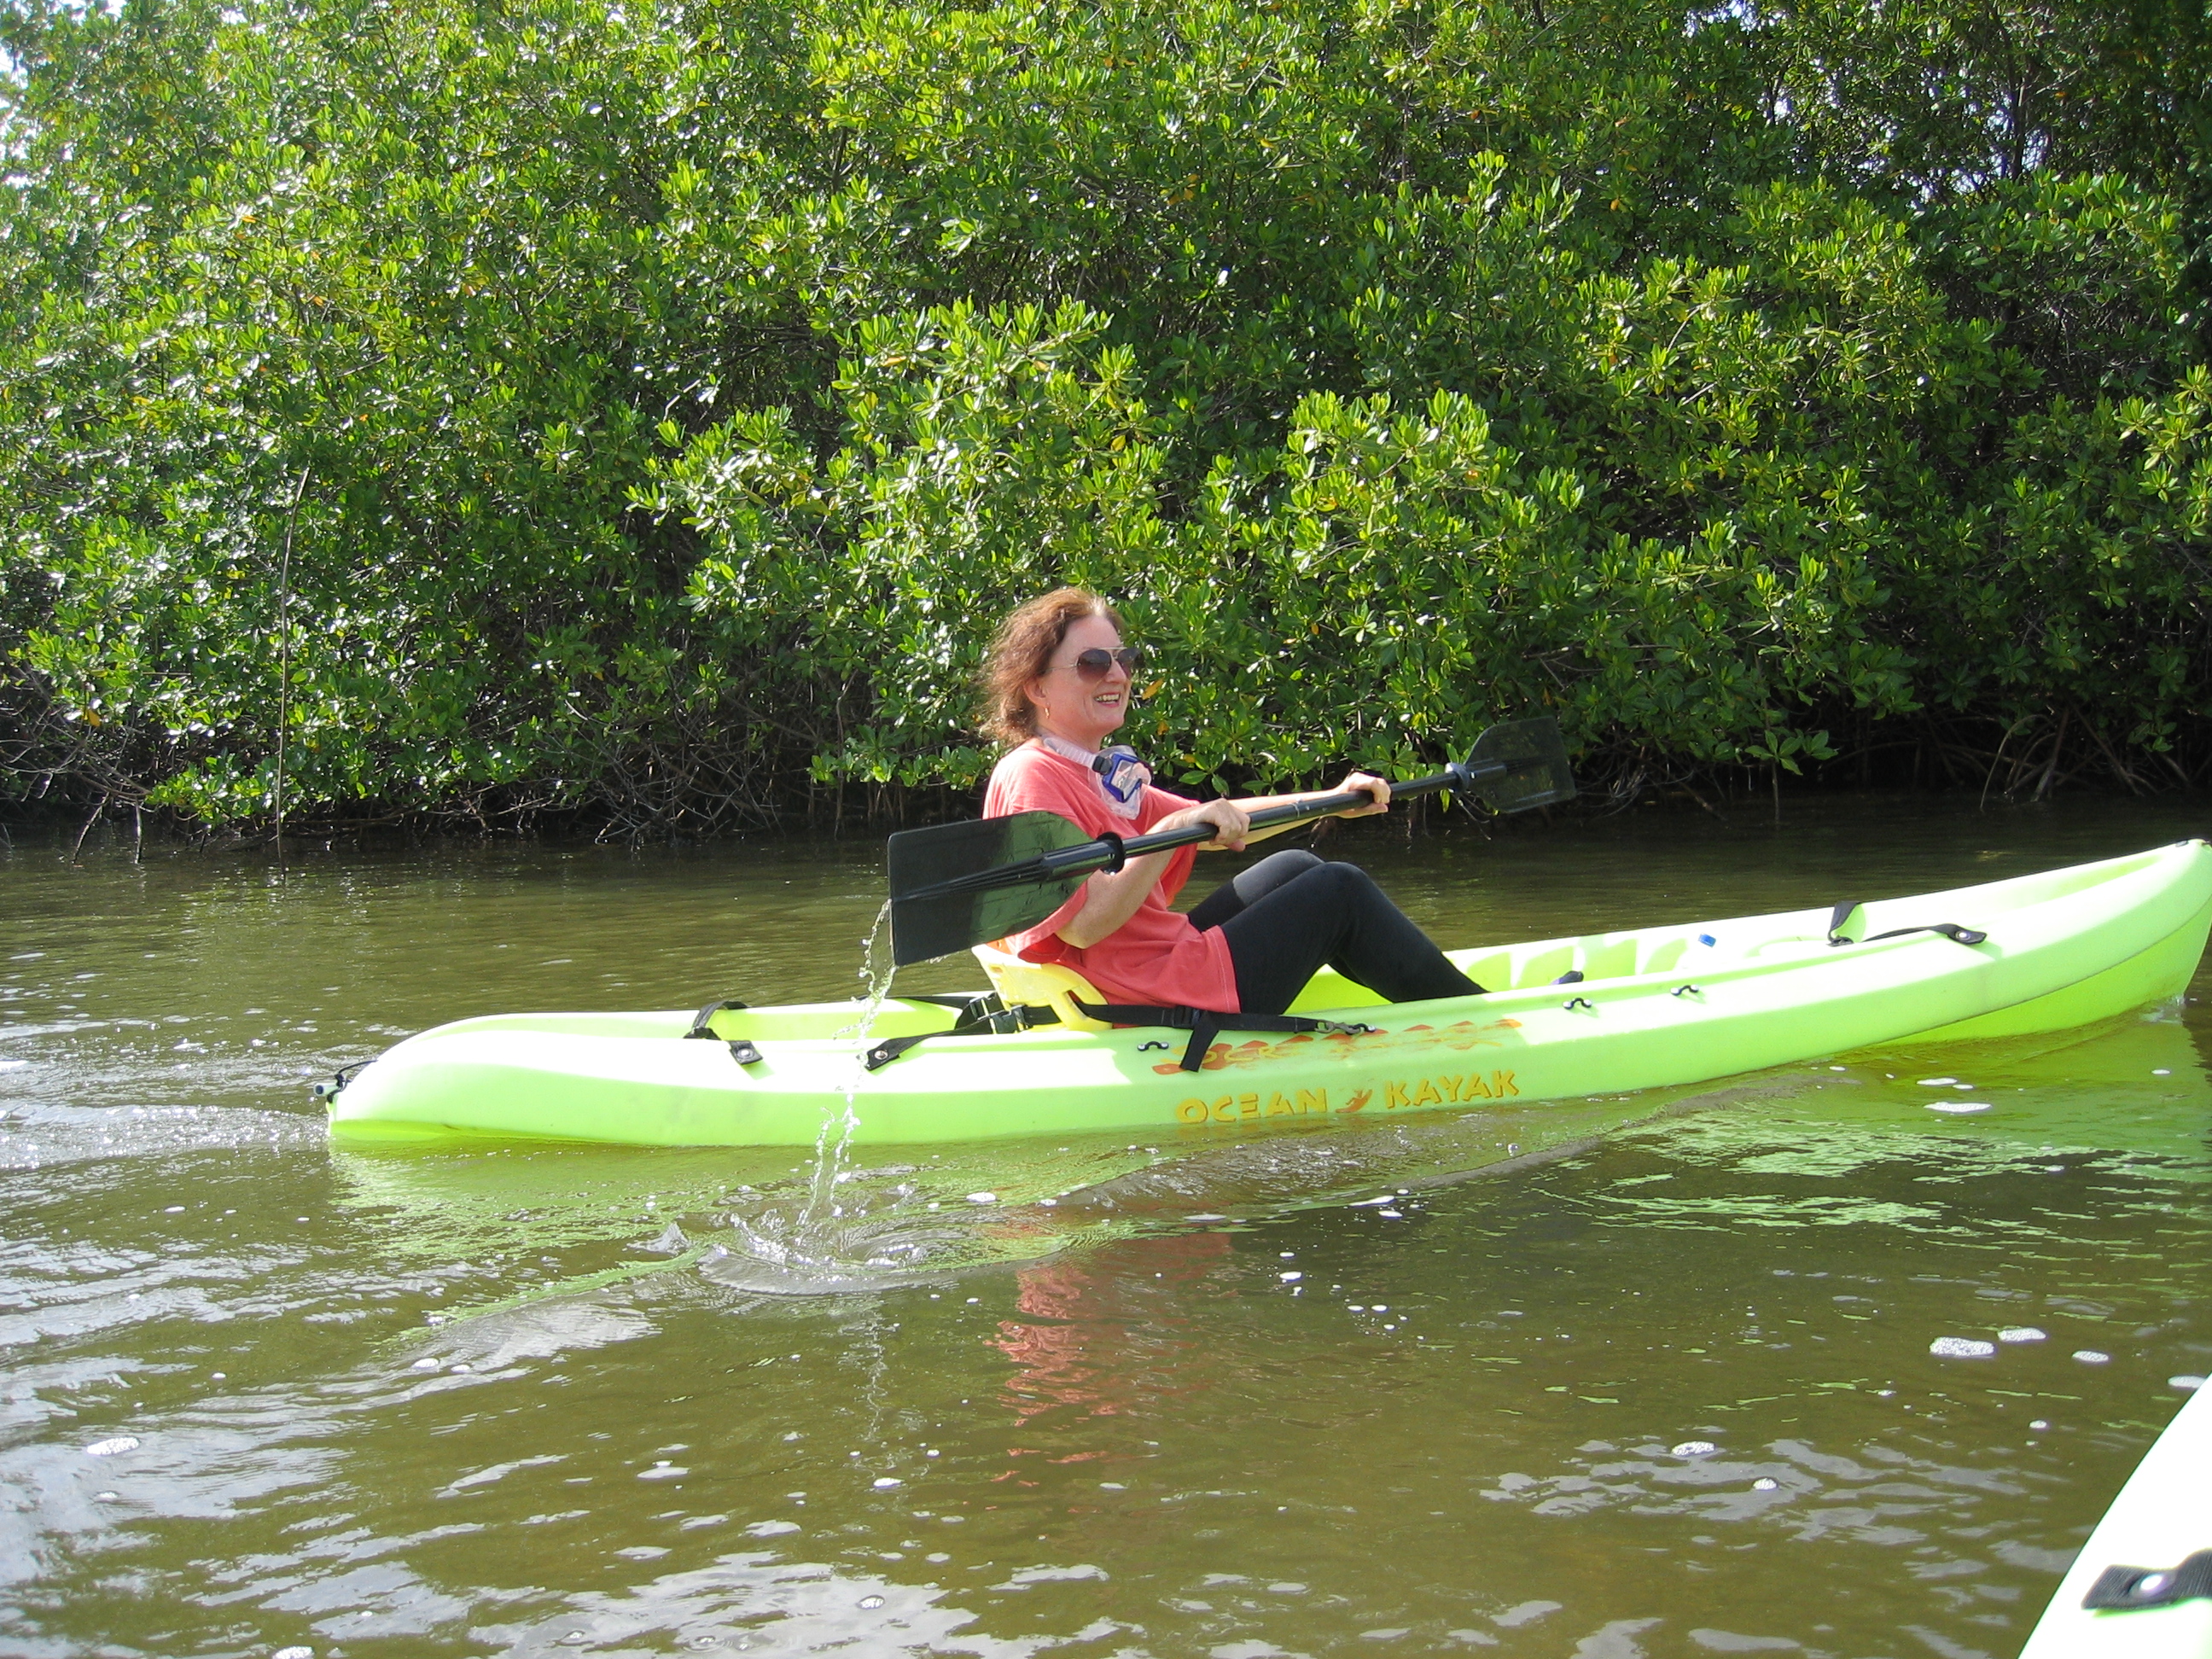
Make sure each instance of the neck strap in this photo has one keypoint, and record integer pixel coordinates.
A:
(1091, 759)
(1120, 776)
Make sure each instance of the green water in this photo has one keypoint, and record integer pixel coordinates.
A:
(486, 1402)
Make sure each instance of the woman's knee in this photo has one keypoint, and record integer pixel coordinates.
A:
(1346, 881)
(1276, 870)
(1347, 891)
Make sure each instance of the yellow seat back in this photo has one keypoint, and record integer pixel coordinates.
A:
(1042, 983)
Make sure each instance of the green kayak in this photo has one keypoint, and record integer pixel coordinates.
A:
(2141, 1587)
(1656, 1007)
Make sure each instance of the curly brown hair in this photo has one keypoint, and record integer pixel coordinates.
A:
(1021, 651)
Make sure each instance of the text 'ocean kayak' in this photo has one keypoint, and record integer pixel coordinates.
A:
(1654, 1008)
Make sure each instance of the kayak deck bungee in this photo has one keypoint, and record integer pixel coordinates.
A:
(1654, 1007)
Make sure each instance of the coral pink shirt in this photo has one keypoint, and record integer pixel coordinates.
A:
(1155, 956)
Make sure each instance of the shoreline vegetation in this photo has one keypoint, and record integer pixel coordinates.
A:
(559, 414)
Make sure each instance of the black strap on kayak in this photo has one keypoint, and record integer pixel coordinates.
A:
(988, 1014)
(701, 1022)
(974, 1012)
(1204, 1024)
(1848, 908)
(741, 1049)
(892, 1048)
(2117, 1589)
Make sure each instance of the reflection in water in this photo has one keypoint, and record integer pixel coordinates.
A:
(1106, 1331)
(752, 1214)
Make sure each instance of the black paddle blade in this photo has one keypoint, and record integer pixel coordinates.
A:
(926, 927)
(1535, 756)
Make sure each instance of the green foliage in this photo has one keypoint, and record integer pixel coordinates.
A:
(649, 411)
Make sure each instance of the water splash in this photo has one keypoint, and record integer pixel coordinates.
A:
(835, 1139)
(832, 1242)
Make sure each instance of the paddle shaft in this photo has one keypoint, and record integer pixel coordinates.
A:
(1100, 854)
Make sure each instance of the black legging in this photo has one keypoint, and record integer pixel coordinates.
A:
(1291, 913)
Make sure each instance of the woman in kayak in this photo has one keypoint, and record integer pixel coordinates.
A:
(1057, 682)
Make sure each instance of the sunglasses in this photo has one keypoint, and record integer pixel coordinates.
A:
(1095, 665)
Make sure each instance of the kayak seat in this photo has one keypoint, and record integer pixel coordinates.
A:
(1042, 983)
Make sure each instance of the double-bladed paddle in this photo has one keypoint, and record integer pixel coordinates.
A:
(957, 885)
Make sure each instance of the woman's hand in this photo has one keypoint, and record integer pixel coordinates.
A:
(1231, 823)
(1379, 788)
